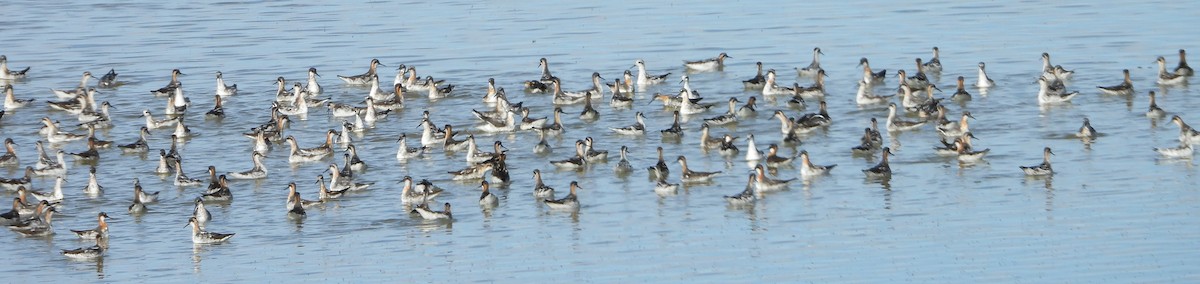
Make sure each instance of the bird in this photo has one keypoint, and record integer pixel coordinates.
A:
(429, 214)
(689, 176)
(710, 64)
(808, 169)
(763, 183)
(983, 81)
(1125, 88)
(569, 202)
(1168, 78)
(1086, 131)
(11, 102)
(487, 199)
(101, 230)
(758, 81)
(364, 78)
(746, 197)
(934, 65)
(1042, 169)
(225, 90)
(201, 236)
(814, 67)
(1153, 111)
(644, 79)
(883, 169)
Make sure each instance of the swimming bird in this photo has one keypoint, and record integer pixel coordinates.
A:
(638, 127)
(404, 152)
(710, 64)
(966, 154)
(707, 141)
(297, 210)
(201, 236)
(1167, 78)
(770, 88)
(1086, 131)
(690, 176)
(1046, 97)
(752, 152)
(660, 170)
(813, 67)
(727, 147)
(1042, 169)
(38, 229)
(88, 253)
(152, 123)
(774, 159)
(14, 183)
(758, 81)
(763, 183)
(576, 162)
(258, 171)
(429, 214)
(1154, 111)
(675, 131)
(138, 206)
(1051, 72)
(10, 156)
(218, 110)
(295, 200)
(883, 169)
(364, 78)
(870, 77)
(895, 124)
(451, 144)
(961, 94)
(182, 179)
(864, 96)
(746, 197)
(11, 102)
(1184, 151)
(748, 109)
(569, 202)
(171, 86)
(54, 195)
(808, 169)
(8, 74)
(225, 90)
(298, 155)
(728, 117)
(101, 230)
(1123, 89)
(12, 216)
(325, 193)
(471, 172)
(200, 213)
(644, 79)
(590, 153)
(956, 129)
(983, 81)
(815, 91)
(109, 80)
(1183, 68)
(623, 166)
(313, 88)
(1186, 133)
(487, 199)
(89, 155)
(934, 65)
(93, 186)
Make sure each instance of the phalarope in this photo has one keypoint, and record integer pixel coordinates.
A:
(1154, 111)
(956, 129)
(540, 189)
(1167, 78)
(864, 96)
(623, 166)
(644, 79)
(544, 65)
(364, 78)
(225, 90)
(40, 229)
(1086, 131)
(313, 88)
(88, 253)
(294, 200)
(201, 236)
(961, 93)
(707, 140)
(1183, 68)
(870, 77)
(1125, 88)
(138, 206)
(28, 212)
(181, 130)
(163, 166)
(1046, 97)
(883, 169)
(259, 170)
(474, 155)
(171, 86)
(55, 195)
(624, 84)
(411, 195)
(404, 152)
(727, 147)
(1042, 169)
(47, 167)
(101, 230)
(690, 176)
(13, 216)
(983, 81)
(774, 159)
(758, 81)
(895, 124)
(752, 152)
(916, 82)
(218, 110)
(152, 123)
(529, 123)
(8, 74)
(471, 172)
(815, 91)
(576, 162)
(89, 155)
(813, 67)
(770, 88)
(728, 117)
(589, 113)
(93, 186)
(660, 170)
(662, 188)
(746, 197)
(569, 202)
(1184, 151)
(750, 108)
(451, 144)
(966, 154)
(619, 99)
(763, 183)
(325, 193)
(1186, 133)
(11, 102)
(506, 123)
(487, 199)
(430, 134)
(109, 80)
(675, 131)
(1048, 69)
(429, 214)
(710, 64)
(10, 156)
(298, 155)
(934, 65)
(297, 209)
(808, 169)
(182, 179)
(562, 98)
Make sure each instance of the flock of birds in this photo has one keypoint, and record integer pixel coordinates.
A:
(917, 108)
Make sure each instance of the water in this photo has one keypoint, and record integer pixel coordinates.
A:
(1115, 212)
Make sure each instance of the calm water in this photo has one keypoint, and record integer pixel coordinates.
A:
(1115, 212)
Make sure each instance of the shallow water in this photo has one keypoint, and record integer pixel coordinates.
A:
(1115, 212)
